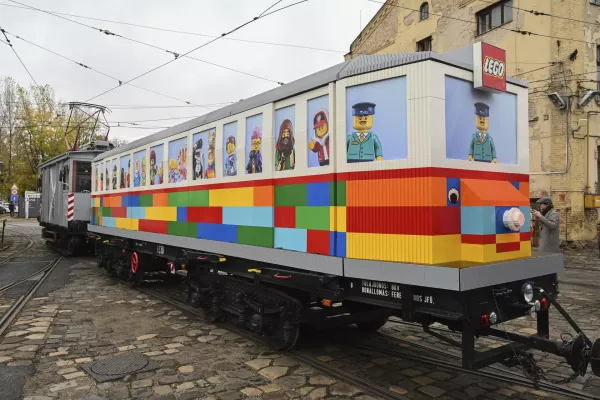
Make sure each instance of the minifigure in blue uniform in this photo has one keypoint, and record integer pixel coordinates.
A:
(362, 144)
(482, 146)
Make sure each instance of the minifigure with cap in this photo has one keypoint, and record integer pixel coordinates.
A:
(482, 146)
(362, 144)
(550, 229)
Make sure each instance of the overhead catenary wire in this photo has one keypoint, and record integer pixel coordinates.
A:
(177, 31)
(176, 54)
(201, 46)
(21, 61)
(95, 70)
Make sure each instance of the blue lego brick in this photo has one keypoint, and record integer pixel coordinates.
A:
(526, 210)
(248, 216)
(318, 194)
(218, 232)
(340, 244)
(136, 212)
(101, 201)
(124, 201)
(477, 220)
(452, 183)
(181, 214)
(500, 228)
(291, 239)
(109, 222)
(516, 184)
(134, 200)
(332, 243)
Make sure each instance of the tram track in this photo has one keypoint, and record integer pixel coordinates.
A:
(19, 252)
(493, 373)
(13, 311)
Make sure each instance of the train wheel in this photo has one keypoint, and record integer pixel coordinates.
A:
(135, 274)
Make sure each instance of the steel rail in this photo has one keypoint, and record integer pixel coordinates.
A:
(30, 245)
(548, 387)
(365, 385)
(12, 313)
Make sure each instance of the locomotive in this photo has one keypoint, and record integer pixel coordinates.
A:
(386, 185)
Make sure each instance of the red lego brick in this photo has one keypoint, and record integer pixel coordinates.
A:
(318, 242)
(478, 239)
(118, 212)
(508, 247)
(525, 236)
(285, 217)
(146, 225)
(209, 215)
(404, 220)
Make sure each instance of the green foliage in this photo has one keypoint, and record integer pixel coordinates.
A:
(32, 130)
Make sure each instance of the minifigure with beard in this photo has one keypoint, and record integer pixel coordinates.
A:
(285, 154)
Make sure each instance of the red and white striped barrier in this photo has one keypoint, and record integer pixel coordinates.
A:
(70, 206)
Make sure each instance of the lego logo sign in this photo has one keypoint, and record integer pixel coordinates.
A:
(489, 68)
(493, 67)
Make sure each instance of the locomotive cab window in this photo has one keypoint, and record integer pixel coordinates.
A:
(83, 176)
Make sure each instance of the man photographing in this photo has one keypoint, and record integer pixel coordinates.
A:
(550, 220)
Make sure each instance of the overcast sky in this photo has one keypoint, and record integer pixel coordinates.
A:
(324, 24)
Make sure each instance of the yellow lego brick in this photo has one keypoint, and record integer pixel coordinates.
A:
(135, 224)
(161, 213)
(96, 201)
(508, 237)
(123, 223)
(337, 219)
(472, 252)
(385, 247)
(237, 197)
(445, 249)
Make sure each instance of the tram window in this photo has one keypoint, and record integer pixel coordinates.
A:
(83, 176)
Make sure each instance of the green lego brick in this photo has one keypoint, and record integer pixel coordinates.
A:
(178, 199)
(104, 212)
(198, 198)
(189, 229)
(316, 218)
(290, 195)
(340, 193)
(146, 200)
(256, 236)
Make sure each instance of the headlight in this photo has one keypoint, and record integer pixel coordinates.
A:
(527, 292)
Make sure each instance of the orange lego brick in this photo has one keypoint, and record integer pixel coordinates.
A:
(491, 193)
(397, 192)
(263, 196)
(160, 199)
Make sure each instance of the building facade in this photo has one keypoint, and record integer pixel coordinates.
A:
(552, 44)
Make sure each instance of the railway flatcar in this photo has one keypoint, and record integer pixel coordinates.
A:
(386, 185)
(66, 185)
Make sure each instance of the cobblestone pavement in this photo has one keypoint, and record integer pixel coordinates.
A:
(93, 318)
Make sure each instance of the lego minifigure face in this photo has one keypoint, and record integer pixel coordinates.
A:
(230, 148)
(285, 137)
(363, 123)
(211, 157)
(482, 123)
(256, 144)
(322, 130)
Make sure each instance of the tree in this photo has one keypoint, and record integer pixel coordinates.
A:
(32, 130)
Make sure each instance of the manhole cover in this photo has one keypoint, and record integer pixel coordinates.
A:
(119, 366)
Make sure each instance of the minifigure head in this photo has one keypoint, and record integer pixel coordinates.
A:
(482, 113)
(152, 158)
(173, 165)
(320, 124)
(256, 139)
(230, 147)
(211, 157)
(137, 166)
(362, 114)
(285, 142)
(198, 149)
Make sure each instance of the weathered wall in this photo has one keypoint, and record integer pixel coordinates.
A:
(553, 132)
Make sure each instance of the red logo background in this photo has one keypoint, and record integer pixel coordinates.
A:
(490, 80)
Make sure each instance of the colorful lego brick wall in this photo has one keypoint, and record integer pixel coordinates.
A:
(425, 216)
